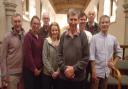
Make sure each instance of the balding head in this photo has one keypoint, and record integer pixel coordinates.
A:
(91, 15)
(46, 18)
(45, 14)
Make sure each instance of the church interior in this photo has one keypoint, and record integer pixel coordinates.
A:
(57, 9)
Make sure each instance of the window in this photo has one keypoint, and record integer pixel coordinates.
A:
(25, 6)
(107, 7)
(110, 7)
(29, 9)
(32, 8)
(113, 10)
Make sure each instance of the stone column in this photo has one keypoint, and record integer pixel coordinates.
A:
(126, 21)
(10, 8)
(125, 49)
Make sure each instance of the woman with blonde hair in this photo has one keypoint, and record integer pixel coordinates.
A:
(50, 50)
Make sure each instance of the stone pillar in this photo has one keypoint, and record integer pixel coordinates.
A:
(125, 49)
(2, 20)
(10, 8)
(126, 21)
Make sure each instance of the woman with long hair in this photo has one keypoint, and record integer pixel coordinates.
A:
(32, 49)
(50, 49)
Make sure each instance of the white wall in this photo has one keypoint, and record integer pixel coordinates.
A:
(118, 28)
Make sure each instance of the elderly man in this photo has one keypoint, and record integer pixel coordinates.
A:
(73, 55)
(91, 25)
(11, 54)
(43, 32)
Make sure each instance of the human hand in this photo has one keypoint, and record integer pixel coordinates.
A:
(37, 72)
(5, 80)
(110, 64)
(55, 74)
(94, 77)
(69, 72)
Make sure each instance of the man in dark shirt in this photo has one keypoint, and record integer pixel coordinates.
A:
(43, 32)
(73, 55)
(91, 25)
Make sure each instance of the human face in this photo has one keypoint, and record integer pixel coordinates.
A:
(91, 16)
(35, 25)
(46, 19)
(73, 21)
(54, 31)
(104, 24)
(16, 22)
(82, 22)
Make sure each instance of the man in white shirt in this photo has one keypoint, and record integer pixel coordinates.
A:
(82, 25)
(103, 47)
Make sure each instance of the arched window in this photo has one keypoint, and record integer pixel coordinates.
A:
(110, 7)
(25, 7)
(29, 9)
(32, 8)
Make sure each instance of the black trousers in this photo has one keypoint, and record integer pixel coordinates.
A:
(99, 83)
(88, 71)
(31, 81)
(48, 82)
(68, 84)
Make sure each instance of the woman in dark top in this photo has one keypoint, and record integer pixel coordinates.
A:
(32, 49)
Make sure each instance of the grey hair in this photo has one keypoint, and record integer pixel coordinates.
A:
(72, 12)
(16, 15)
(104, 16)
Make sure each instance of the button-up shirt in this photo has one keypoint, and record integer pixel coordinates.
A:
(102, 48)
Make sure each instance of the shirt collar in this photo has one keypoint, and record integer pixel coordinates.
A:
(49, 40)
(16, 33)
(102, 34)
(92, 23)
(68, 33)
(30, 31)
(46, 28)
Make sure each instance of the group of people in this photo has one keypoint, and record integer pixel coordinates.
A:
(45, 59)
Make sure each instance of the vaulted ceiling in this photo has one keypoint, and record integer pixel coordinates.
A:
(62, 6)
